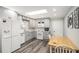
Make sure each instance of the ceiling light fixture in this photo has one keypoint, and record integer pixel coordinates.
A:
(54, 9)
(37, 12)
(55, 14)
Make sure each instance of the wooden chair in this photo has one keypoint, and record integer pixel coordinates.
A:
(63, 49)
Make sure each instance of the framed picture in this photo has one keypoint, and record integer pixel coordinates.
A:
(76, 18)
(70, 21)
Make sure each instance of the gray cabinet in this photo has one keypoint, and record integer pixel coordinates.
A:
(29, 35)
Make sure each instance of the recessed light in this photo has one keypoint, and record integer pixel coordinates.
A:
(54, 9)
(55, 14)
(37, 12)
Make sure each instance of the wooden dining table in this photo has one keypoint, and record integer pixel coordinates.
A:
(61, 41)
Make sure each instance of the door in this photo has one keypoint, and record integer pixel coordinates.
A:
(22, 38)
(57, 27)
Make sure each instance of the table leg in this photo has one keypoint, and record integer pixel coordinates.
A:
(50, 49)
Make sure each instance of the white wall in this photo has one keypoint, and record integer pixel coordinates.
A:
(73, 34)
(57, 26)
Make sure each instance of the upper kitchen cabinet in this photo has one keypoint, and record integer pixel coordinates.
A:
(46, 24)
(32, 23)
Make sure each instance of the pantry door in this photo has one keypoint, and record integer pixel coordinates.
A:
(57, 27)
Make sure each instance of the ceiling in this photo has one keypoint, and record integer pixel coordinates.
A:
(60, 12)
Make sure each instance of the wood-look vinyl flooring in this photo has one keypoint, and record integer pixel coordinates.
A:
(35, 46)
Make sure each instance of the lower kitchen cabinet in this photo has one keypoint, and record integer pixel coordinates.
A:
(10, 44)
(22, 38)
(40, 34)
(16, 41)
(6, 45)
(28, 35)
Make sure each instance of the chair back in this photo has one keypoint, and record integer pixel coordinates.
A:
(63, 49)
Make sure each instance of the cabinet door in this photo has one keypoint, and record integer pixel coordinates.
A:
(26, 23)
(6, 45)
(32, 23)
(22, 38)
(46, 24)
(15, 42)
(16, 28)
(39, 34)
